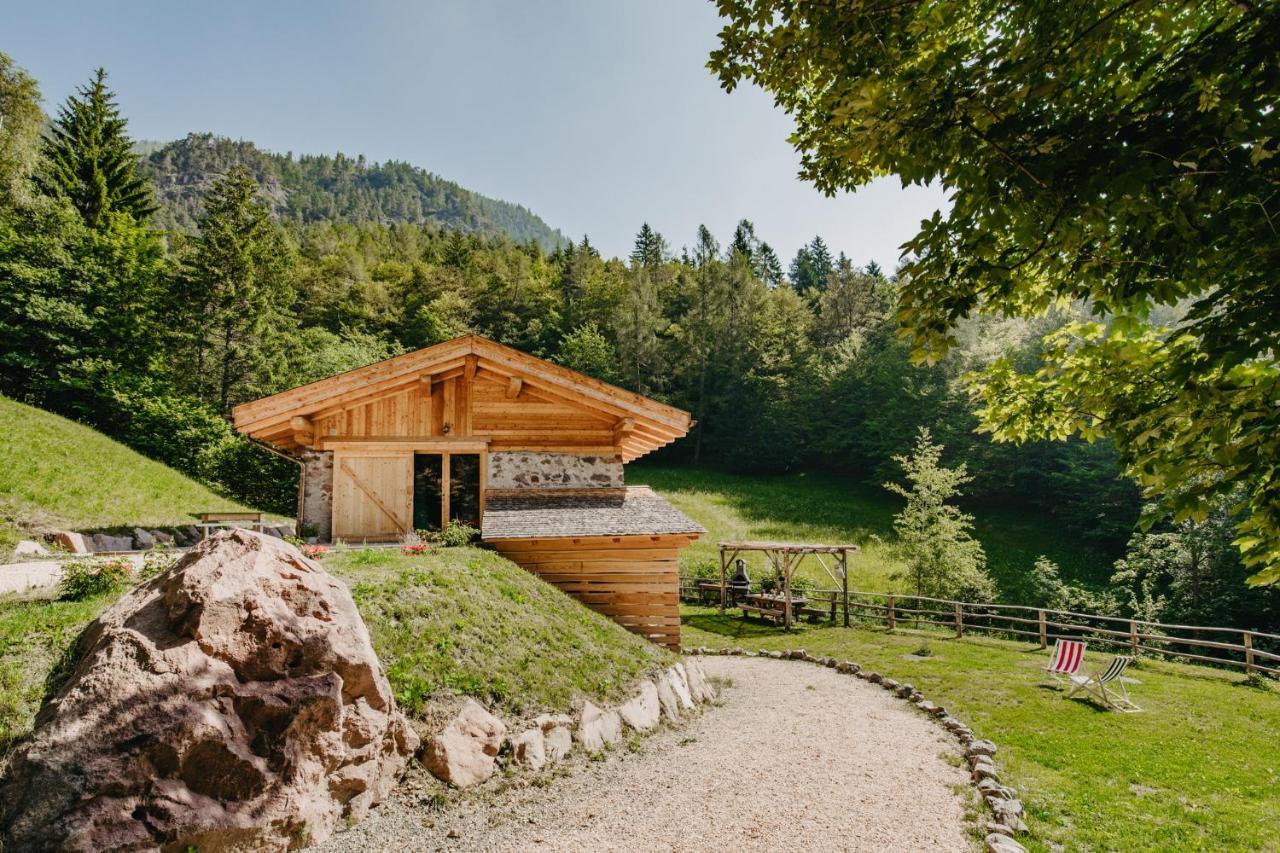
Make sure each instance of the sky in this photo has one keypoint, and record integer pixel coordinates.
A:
(598, 115)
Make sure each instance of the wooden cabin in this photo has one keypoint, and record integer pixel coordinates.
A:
(529, 452)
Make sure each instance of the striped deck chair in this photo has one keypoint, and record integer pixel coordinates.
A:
(1107, 686)
(1066, 660)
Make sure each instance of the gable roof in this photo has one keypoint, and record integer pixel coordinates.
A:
(557, 513)
(641, 424)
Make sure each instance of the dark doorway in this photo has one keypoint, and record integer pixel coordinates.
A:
(427, 483)
(464, 488)
(431, 480)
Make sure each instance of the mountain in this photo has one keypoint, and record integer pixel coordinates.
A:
(313, 188)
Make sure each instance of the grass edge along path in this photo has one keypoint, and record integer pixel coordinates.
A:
(1198, 769)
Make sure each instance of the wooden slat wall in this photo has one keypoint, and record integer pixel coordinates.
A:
(633, 580)
(529, 421)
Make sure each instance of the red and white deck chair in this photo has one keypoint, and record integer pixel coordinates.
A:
(1107, 686)
(1068, 655)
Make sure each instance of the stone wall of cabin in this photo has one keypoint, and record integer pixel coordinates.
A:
(532, 470)
(317, 494)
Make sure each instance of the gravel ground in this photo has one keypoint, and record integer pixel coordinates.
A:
(796, 757)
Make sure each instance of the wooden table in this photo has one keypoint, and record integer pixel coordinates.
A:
(772, 606)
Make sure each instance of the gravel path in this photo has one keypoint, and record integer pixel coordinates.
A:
(797, 757)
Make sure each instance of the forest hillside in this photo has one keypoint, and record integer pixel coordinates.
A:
(337, 188)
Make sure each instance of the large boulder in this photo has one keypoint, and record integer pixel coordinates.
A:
(234, 702)
(465, 753)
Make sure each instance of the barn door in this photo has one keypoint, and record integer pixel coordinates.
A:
(372, 496)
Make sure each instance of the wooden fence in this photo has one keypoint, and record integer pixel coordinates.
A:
(1252, 651)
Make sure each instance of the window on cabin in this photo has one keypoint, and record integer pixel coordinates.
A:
(445, 486)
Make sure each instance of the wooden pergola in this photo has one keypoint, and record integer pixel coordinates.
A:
(785, 557)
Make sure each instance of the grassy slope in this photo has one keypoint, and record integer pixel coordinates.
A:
(1197, 770)
(812, 507)
(55, 472)
(460, 620)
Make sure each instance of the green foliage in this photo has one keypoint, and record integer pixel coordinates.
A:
(89, 159)
(20, 122)
(588, 351)
(457, 533)
(89, 577)
(943, 560)
(238, 295)
(1140, 179)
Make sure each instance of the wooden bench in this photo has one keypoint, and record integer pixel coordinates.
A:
(252, 520)
(772, 614)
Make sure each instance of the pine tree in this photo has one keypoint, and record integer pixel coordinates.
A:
(820, 258)
(239, 293)
(89, 157)
(768, 267)
(744, 241)
(873, 269)
(638, 324)
(650, 249)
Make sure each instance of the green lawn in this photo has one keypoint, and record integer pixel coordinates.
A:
(811, 507)
(58, 473)
(1199, 769)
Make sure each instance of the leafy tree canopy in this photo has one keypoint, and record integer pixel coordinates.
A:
(1116, 154)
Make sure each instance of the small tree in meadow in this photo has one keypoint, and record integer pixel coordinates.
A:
(943, 559)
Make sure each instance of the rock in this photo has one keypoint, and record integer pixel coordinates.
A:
(681, 687)
(998, 829)
(598, 728)
(667, 698)
(162, 537)
(889, 684)
(73, 543)
(465, 753)
(979, 748)
(529, 749)
(829, 662)
(233, 702)
(984, 770)
(107, 542)
(927, 706)
(143, 540)
(29, 548)
(997, 843)
(875, 677)
(774, 655)
(799, 654)
(192, 532)
(699, 688)
(905, 690)
(557, 735)
(642, 711)
(1009, 812)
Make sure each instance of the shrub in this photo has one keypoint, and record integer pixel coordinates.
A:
(703, 570)
(456, 534)
(157, 562)
(86, 577)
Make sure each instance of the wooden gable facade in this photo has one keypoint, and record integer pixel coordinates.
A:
(434, 435)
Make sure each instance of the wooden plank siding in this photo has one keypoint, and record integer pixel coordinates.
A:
(372, 496)
(634, 580)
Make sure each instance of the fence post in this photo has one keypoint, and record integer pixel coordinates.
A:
(844, 585)
(889, 613)
(959, 620)
(1133, 637)
(1248, 652)
(833, 607)
(1044, 630)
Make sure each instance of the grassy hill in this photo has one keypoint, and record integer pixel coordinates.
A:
(315, 188)
(456, 621)
(813, 507)
(57, 473)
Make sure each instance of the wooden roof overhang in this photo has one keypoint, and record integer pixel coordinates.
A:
(286, 420)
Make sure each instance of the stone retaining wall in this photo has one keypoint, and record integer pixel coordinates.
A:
(530, 470)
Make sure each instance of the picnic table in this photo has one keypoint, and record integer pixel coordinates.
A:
(772, 605)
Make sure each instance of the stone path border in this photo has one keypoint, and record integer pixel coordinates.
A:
(1003, 801)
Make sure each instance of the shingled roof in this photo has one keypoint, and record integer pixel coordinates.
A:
(551, 513)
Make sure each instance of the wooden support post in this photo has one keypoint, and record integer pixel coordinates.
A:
(786, 591)
(1044, 630)
(1133, 636)
(1248, 652)
(724, 589)
(844, 584)
(889, 612)
(444, 491)
(959, 620)
(834, 598)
